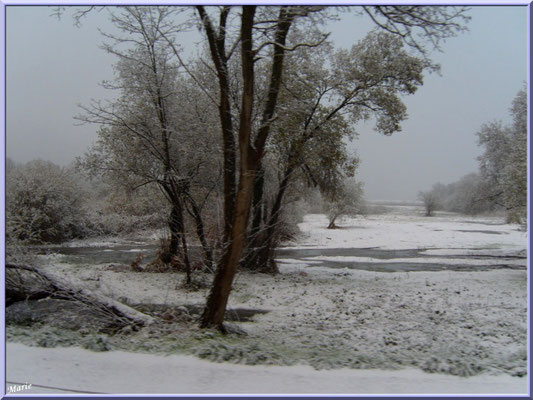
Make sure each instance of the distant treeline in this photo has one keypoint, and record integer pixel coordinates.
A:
(501, 183)
(469, 195)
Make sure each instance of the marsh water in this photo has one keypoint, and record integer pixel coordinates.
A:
(126, 253)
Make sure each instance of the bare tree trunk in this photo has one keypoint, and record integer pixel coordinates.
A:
(174, 243)
(186, 260)
(256, 235)
(257, 204)
(250, 157)
(262, 255)
(215, 309)
(200, 232)
(184, 249)
(177, 237)
(332, 222)
(217, 49)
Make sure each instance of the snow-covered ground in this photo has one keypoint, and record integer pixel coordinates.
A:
(328, 330)
(127, 373)
(407, 228)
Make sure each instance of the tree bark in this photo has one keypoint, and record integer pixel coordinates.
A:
(250, 157)
(200, 232)
(215, 309)
(180, 224)
(332, 223)
(177, 237)
(174, 243)
(262, 254)
(257, 204)
(217, 42)
(256, 235)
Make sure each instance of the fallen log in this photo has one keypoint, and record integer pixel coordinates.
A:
(24, 285)
(120, 312)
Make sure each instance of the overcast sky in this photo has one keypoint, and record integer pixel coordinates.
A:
(53, 66)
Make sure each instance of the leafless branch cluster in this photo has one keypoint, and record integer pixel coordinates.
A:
(272, 92)
(417, 24)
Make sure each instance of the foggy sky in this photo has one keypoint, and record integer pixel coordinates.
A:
(53, 66)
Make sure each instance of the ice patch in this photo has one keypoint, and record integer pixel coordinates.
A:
(419, 260)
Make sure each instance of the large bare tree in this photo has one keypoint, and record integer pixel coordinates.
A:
(263, 37)
(321, 105)
(157, 131)
(251, 43)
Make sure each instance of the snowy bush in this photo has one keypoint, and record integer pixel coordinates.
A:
(43, 203)
(112, 210)
(102, 223)
(346, 200)
(431, 202)
(292, 215)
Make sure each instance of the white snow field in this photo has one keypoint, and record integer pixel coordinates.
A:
(406, 228)
(132, 373)
(335, 324)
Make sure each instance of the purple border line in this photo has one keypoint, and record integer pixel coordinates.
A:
(529, 143)
(269, 2)
(2, 194)
(237, 2)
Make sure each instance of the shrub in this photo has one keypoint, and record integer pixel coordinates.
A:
(43, 203)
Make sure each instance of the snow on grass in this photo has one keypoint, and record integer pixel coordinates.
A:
(400, 231)
(463, 323)
(386, 330)
(120, 372)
